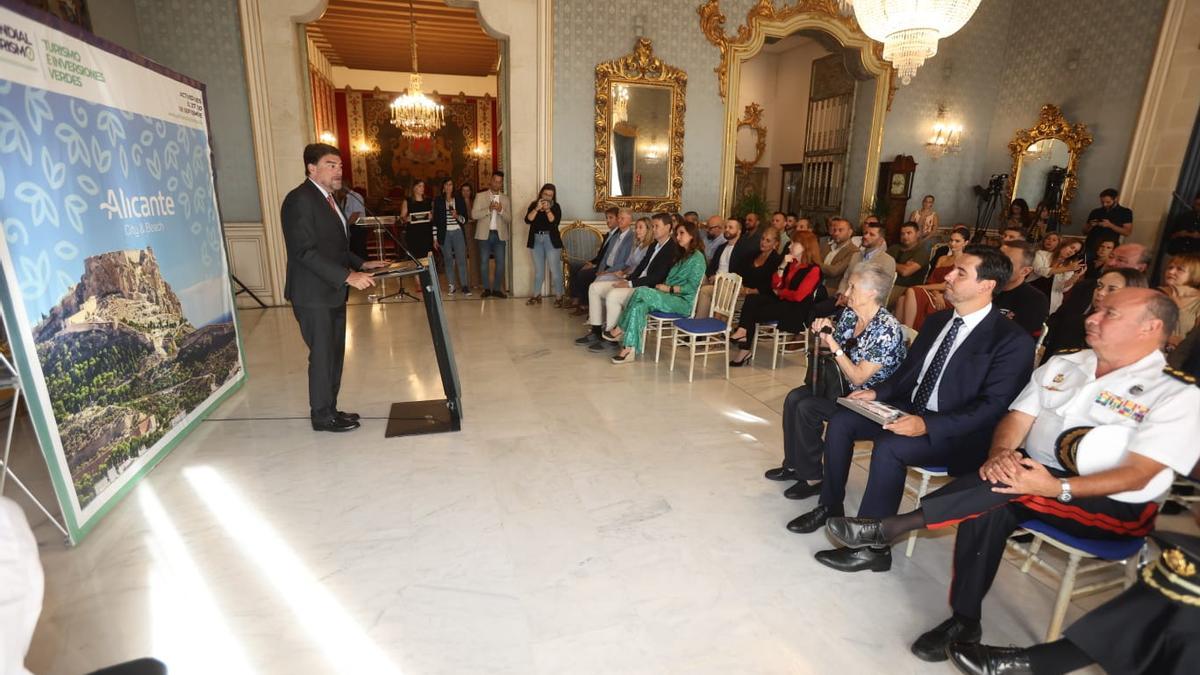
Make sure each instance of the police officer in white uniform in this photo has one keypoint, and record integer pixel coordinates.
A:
(1146, 414)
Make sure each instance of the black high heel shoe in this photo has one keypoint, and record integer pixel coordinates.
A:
(742, 362)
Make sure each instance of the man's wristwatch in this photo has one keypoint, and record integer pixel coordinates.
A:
(1065, 495)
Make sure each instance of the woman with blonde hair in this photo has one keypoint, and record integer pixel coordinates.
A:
(1181, 282)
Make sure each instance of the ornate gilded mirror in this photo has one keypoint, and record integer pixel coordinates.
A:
(751, 138)
(639, 132)
(1045, 160)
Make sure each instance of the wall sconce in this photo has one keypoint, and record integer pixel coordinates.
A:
(479, 151)
(653, 152)
(327, 137)
(946, 138)
(364, 148)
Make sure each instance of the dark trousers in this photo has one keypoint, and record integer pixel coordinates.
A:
(890, 459)
(759, 308)
(324, 331)
(580, 283)
(986, 519)
(803, 417)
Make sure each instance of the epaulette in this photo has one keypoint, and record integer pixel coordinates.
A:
(1067, 350)
(1181, 376)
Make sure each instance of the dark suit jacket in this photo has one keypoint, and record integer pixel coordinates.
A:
(982, 378)
(318, 253)
(660, 268)
(608, 237)
(743, 251)
(439, 215)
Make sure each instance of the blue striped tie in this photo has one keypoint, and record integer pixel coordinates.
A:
(935, 367)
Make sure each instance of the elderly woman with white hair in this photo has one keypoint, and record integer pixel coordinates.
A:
(867, 344)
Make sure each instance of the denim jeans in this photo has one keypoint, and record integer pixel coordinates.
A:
(454, 252)
(545, 254)
(493, 245)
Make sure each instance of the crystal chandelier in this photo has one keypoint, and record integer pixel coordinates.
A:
(414, 113)
(909, 29)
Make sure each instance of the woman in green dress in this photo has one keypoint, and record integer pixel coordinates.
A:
(676, 294)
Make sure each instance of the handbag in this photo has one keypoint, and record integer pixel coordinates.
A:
(825, 379)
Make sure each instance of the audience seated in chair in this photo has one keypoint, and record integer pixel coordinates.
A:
(918, 302)
(1181, 283)
(778, 288)
(867, 345)
(731, 256)
(1066, 330)
(1152, 627)
(1125, 256)
(912, 259)
(586, 274)
(837, 253)
(1042, 259)
(714, 235)
(606, 298)
(872, 249)
(956, 382)
(1120, 382)
(676, 294)
(1018, 300)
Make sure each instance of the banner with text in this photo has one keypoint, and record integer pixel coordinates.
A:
(117, 295)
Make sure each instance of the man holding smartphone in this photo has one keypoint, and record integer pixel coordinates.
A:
(492, 212)
(1109, 222)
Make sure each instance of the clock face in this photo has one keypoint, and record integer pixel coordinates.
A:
(899, 183)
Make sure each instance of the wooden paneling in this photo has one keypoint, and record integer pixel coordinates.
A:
(374, 35)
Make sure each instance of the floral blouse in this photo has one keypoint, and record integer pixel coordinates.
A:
(882, 342)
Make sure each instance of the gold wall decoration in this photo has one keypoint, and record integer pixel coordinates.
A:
(752, 118)
(712, 23)
(1051, 125)
(764, 20)
(641, 69)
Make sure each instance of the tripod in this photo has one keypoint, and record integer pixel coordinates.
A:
(989, 199)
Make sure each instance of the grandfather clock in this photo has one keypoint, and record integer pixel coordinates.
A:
(894, 191)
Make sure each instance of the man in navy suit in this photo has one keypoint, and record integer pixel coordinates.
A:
(321, 268)
(964, 368)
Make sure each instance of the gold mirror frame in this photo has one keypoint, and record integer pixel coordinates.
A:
(764, 20)
(752, 118)
(641, 67)
(1051, 125)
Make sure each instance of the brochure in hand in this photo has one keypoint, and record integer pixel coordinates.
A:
(873, 410)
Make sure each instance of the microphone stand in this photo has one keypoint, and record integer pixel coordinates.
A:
(401, 293)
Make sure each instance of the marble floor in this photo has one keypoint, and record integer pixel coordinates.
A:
(589, 518)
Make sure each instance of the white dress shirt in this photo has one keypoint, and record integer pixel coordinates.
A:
(970, 321)
(327, 195)
(658, 246)
(726, 255)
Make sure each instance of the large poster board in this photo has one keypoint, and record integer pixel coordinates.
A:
(116, 287)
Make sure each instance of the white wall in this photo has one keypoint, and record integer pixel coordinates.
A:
(397, 81)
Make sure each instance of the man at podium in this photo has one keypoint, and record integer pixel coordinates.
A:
(321, 268)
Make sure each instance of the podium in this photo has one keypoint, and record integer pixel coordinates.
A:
(434, 416)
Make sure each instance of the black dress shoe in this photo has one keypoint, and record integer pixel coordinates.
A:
(485, 294)
(857, 559)
(780, 473)
(353, 417)
(813, 520)
(335, 423)
(932, 645)
(856, 532)
(802, 490)
(499, 294)
(976, 659)
(589, 339)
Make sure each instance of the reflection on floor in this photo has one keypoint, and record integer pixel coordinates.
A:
(589, 518)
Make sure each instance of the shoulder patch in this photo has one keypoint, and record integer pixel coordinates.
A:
(1181, 376)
